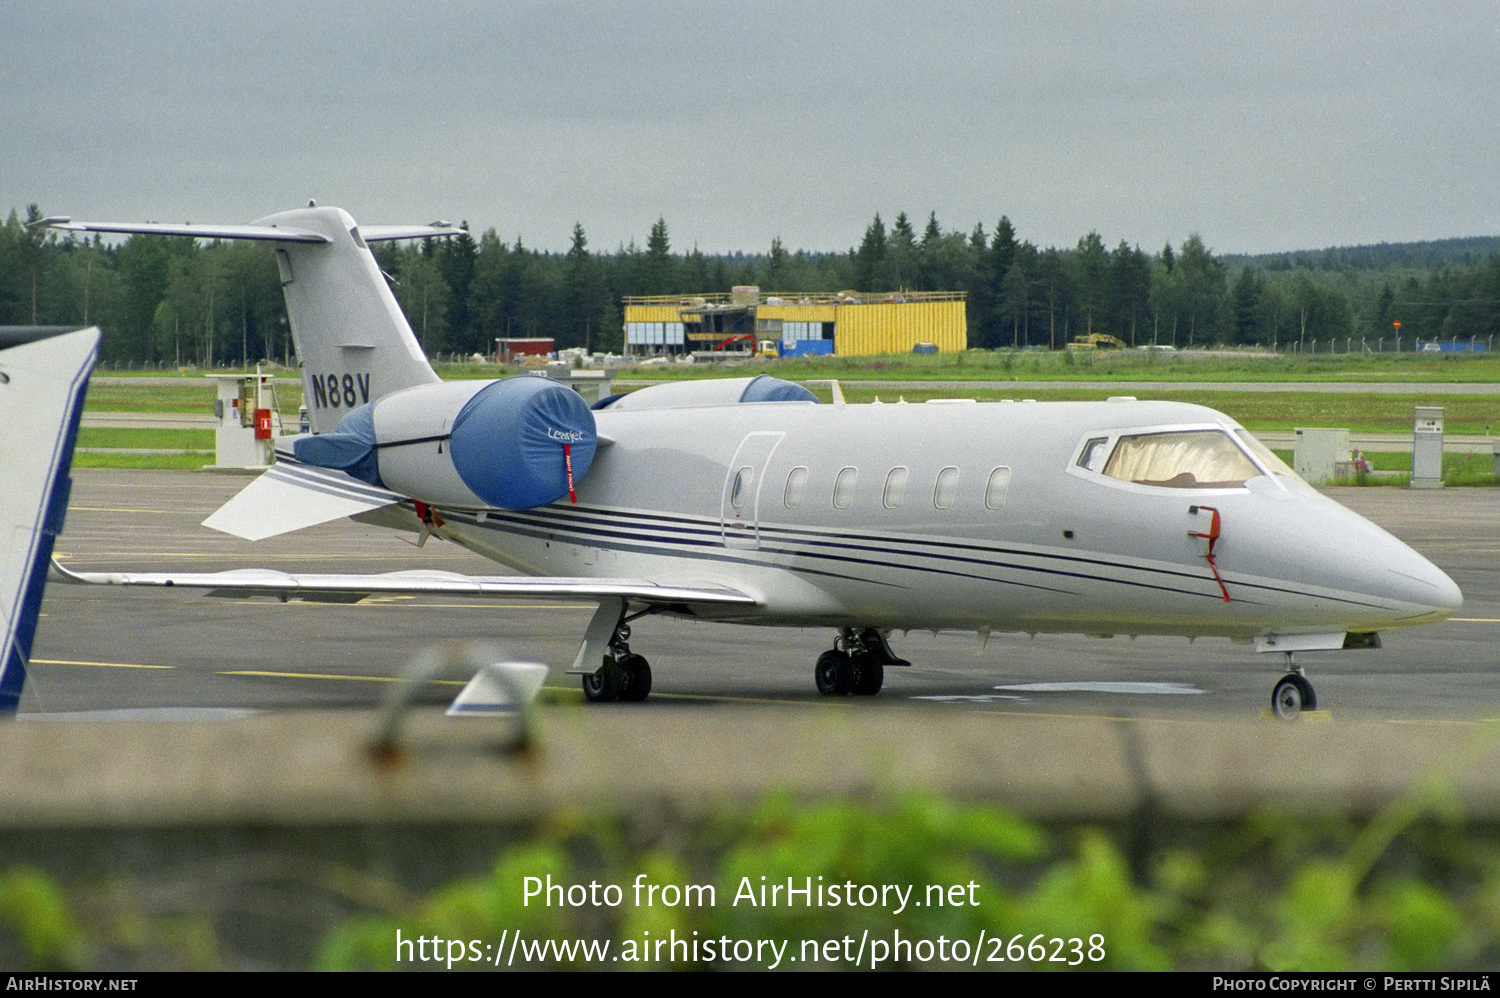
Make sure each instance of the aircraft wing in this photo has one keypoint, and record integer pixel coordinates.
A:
(42, 384)
(311, 586)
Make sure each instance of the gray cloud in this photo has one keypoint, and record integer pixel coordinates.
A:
(1260, 125)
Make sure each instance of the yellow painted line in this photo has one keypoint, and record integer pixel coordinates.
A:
(318, 675)
(107, 665)
(1475, 620)
(567, 691)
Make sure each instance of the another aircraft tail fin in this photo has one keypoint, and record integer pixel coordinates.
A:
(43, 376)
(354, 343)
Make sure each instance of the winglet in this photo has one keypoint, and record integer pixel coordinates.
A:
(42, 384)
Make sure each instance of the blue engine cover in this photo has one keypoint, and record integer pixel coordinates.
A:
(350, 448)
(507, 442)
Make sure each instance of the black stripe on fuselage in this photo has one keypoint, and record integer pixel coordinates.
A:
(702, 539)
(707, 536)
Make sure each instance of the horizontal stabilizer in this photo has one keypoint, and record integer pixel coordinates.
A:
(263, 233)
(289, 496)
(256, 231)
(284, 584)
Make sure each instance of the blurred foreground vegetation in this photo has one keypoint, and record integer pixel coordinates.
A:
(1415, 888)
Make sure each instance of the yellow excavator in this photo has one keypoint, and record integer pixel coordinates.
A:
(1096, 341)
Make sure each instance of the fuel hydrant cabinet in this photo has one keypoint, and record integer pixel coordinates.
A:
(245, 421)
(1427, 448)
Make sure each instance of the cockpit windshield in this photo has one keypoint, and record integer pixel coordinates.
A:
(1186, 459)
(1265, 455)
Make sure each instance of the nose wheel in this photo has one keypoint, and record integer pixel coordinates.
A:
(1292, 694)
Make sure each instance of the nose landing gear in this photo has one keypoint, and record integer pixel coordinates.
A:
(1293, 693)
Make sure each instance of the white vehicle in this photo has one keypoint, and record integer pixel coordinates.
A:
(746, 500)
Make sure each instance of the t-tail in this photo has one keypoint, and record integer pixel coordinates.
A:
(351, 337)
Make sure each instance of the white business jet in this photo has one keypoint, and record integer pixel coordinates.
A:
(745, 500)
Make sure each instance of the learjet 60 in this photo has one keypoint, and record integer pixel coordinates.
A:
(747, 500)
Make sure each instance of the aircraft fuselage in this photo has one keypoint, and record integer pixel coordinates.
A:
(964, 515)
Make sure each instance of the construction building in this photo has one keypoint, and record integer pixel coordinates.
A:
(745, 321)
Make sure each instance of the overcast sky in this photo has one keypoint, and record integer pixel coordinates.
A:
(1260, 125)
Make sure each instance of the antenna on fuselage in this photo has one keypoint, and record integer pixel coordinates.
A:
(838, 393)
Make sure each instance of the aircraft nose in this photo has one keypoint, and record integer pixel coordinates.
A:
(1418, 581)
(1397, 586)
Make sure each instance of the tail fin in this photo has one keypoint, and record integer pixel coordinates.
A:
(353, 341)
(43, 376)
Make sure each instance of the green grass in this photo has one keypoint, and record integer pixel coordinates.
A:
(1395, 468)
(142, 462)
(1279, 410)
(1104, 366)
(155, 439)
(1362, 413)
(113, 394)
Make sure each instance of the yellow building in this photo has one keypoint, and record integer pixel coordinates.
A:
(848, 324)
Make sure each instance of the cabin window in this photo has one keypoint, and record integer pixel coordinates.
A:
(796, 487)
(895, 488)
(741, 487)
(1094, 453)
(945, 489)
(997, 488)
(843, 488)
(1191, 459)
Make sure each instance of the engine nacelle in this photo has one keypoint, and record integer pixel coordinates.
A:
(467, 444)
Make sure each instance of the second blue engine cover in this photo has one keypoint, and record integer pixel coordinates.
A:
(507, 441)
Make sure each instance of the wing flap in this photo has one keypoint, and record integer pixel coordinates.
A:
(285, 584)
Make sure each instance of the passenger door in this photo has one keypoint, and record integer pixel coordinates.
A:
(739, 509)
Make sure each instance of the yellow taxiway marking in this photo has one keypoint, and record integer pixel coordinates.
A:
(319, 675)
(122, 509)
(108, 665)
(1475, 620)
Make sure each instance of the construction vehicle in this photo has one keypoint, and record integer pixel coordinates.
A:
(1096, 341)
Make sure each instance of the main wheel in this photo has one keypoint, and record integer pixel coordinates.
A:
(1292, 695)
(868, 678)
(604, 685)
(832, 673)
(635, 679)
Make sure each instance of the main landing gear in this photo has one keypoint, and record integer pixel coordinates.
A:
(856, 663)
(625, 675)
(1293, 693)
